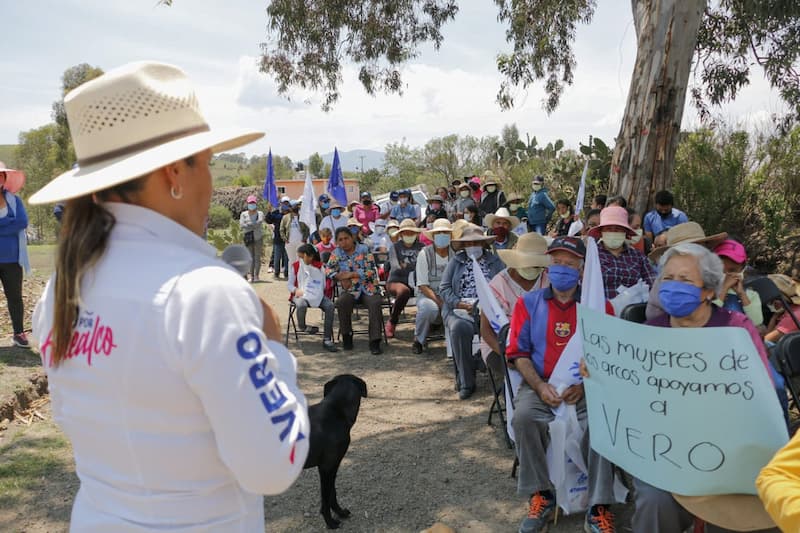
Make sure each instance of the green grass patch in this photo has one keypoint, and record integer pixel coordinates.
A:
(27, 462)
(42, 258)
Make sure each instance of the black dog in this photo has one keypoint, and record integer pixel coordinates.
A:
(331, 420)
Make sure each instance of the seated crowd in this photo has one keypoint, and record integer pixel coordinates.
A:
(385, 257)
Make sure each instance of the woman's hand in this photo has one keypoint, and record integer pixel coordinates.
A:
(271, 325)
(573, 394)
(582, 369)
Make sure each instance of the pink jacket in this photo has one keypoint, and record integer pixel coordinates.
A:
(365, 216)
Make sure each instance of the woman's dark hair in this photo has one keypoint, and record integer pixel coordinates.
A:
(308, 249)
(566, 203)
(600, 199)
(472, 208)
(342, 229)
(619, 200)
(85, 229)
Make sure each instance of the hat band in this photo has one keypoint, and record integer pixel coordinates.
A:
(144, 145)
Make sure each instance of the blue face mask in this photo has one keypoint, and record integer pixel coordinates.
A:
(679, 299)
(562, 277)
(441, 240)
(336, 212)
(251, 206)
(354, 230)
(325, 205)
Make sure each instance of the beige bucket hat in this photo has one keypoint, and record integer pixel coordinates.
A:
(687, 232)
(737, 512)
(440, 225)
(530, 251)
(408, 225)
(131, 121)
(787, 286)
(471, 235)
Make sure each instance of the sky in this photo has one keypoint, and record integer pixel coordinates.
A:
(451, 90)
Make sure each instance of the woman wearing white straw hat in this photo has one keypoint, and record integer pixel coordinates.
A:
(460, 296)
(403, 260)
(431, 264)
(165, 369)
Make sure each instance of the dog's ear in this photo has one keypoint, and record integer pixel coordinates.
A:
(329, 386)
(362, 386)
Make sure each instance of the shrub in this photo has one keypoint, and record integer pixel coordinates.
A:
(219, 216)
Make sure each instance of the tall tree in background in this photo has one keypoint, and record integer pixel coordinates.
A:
(315, 165)
(71, 79)
(309, 42)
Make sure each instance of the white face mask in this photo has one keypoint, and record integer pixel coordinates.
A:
(537, 186)
(409, 239)
(530, 273)
(403, 201)
(638, 237)
(772, 308)
(513, 208)
(467, 216)
(380, 230)
(464, 194)
(566, 216)
(613, 239)
(474, 252)
(491, 189)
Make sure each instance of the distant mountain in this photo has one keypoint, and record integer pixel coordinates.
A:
(351, 161)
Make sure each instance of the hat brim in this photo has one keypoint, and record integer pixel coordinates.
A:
(490, 219)
(414, 230)
(516, 259)
(92, 178)
(737, 512)
(598, 230)
(431, 232)
(712, 241)
(565, 249)
(458, 244)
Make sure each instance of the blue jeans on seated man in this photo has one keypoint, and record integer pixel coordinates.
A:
(538, 228)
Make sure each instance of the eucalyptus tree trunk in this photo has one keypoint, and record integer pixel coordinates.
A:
(644, 156)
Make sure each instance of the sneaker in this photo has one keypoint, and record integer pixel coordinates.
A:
(375, 347)
(347, 341)
(312, 330)
(599, 519)
(416, 347)
(21, 340)
(465, 393)
(540, 512)
(389, 330)
(329, 345)
(270, 270)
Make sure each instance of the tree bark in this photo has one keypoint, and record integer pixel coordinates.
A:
(645, 151)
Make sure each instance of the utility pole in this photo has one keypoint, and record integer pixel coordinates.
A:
(362, 166)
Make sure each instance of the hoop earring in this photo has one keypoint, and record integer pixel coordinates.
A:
(176, 195)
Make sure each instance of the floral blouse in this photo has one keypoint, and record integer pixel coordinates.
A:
(361, 261)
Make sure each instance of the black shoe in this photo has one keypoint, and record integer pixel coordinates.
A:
(329, 345)
(375, 347)
(416, 347)
(312, 330)
(465, 393)
(347, 341)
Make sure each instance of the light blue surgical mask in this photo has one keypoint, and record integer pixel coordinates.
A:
(336, 212)
(252, 206)
(441, 240)
(325, 205)
(679, 299)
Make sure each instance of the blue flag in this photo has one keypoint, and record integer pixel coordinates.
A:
(270, 193)
(336, 180)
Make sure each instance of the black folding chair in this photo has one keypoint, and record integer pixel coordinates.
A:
(785, 355)
(290, 323)
(634, 313)
(495, 364)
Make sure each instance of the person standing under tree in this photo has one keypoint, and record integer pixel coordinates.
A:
(540, 207)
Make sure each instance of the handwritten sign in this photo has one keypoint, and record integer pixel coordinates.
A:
(688, 410)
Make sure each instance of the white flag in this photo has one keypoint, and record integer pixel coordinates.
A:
(489, 304)
(582, 190)
(309, 207)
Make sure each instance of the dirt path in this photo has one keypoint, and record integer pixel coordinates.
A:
(418, 454)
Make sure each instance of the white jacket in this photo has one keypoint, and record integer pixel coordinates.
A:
(179, 410)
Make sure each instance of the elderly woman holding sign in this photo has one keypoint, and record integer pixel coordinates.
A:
(691, 279)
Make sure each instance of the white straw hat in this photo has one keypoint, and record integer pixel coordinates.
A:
(131, 121)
